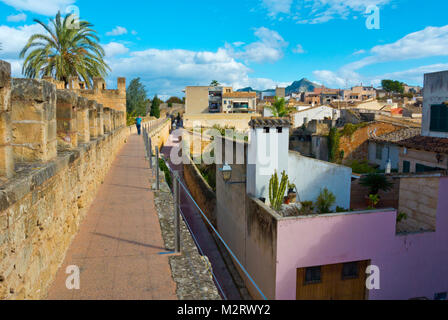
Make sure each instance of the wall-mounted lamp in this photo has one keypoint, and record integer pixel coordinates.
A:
(226, 171)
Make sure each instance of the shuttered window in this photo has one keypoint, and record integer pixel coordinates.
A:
(439, 118)
(406, 167)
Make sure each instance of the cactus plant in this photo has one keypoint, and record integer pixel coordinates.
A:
(277, 190)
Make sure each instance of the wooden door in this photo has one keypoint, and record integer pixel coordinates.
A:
(337, 282)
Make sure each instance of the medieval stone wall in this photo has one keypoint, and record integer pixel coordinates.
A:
(56, 148)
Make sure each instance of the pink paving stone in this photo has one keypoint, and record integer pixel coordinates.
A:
(117, 247)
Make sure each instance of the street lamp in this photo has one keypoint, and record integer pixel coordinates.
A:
(226, 171)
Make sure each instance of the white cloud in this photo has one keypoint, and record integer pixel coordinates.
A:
(340, 79)
(426, 43)
(278, 6)
(118, 31)
(17, 17)
(168, 72)
(414, 75)
(44, 7)
(429, 42)
(359, 52)
(269, 47)
(14, 39)
(319, 11)
(298, 49)
(115, 48)
(134, 32)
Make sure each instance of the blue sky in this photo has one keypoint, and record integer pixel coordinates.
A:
(258, 43)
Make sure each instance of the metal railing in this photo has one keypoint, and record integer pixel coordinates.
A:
(178, 185)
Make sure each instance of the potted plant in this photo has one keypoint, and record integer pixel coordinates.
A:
(292, 193)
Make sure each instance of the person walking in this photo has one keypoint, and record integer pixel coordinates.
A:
(138, 122)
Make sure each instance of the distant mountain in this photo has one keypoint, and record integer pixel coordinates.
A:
(303, 85)
(297, 86)
(248, 89)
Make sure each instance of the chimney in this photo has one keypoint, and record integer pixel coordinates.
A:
(267, 152)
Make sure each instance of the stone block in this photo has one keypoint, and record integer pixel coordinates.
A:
(100, 120)
(33, 120)
(83, 120)
(67, 134)
(93, 114)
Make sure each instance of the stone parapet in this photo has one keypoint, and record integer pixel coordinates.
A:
(6, 154)
(83, 120)
(66, 116)
(33, 117)
(93, 115)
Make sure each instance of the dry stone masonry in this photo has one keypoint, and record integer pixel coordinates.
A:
(56, 147)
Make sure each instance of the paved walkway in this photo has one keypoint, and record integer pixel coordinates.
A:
(202, 232)
(119, 243)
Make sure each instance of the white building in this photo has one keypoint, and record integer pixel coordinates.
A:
(315, 113)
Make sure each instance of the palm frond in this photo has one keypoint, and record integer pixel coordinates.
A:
(63, 52)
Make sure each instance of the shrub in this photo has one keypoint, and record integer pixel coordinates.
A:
(361, 167)
(307, 208)
(325, 200)
(376, 182)
(166, 171)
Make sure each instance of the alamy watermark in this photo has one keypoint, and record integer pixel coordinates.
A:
(373, 21)
(73, 20)
(73, 281)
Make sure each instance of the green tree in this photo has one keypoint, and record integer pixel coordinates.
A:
(136, 98)
(155, 107)
(214, 83)
(279, 108)
(174, 100)
(392, 86)
(64, 51)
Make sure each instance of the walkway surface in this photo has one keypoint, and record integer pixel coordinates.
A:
(119, 243)
(202, 233)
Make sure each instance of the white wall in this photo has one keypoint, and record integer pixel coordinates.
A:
(311, 176)
(266, 153)
(390, 151)
(435, 92)
(317, 113)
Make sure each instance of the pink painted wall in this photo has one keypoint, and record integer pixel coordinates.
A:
(411, 266)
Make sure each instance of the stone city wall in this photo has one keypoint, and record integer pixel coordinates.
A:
(56, 149)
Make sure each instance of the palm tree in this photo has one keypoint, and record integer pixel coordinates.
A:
(63, 51)
(279, 108)
(214, 83)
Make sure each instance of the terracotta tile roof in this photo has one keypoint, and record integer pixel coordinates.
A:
(399, 135)
(240, 95)
(430, 144)
(269, 122)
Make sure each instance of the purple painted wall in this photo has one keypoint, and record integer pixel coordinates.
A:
(411, 266)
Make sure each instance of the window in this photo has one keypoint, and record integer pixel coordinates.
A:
(419, 168)
(406, 167)
(379, 152)
(313, 275)
(439, 118)
(266, 130)
(279, 130)
(350, 270)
